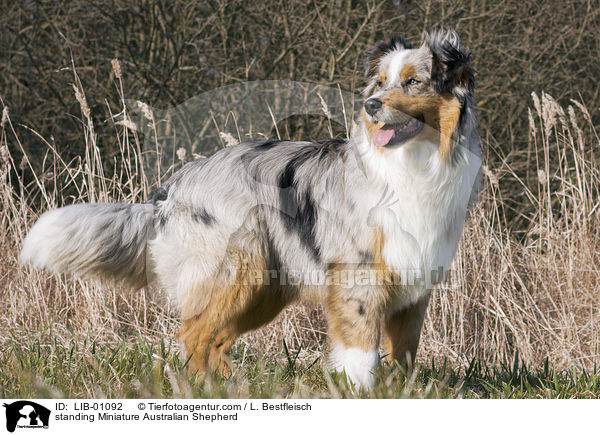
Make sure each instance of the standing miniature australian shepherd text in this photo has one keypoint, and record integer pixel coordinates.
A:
(369, 224)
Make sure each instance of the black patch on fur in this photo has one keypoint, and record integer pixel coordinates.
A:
(465, 102)
(162, 220)
(366, 257)
(372, 56)
(361, 310)
(201, 215)
(450, 68)
(334, 143)
(331, 147)
(297, 208)
(158, 194)
(259, 148)
(321, 149)
(267, 144)
(274, 264)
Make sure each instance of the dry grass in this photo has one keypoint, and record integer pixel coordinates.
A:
(533, 296)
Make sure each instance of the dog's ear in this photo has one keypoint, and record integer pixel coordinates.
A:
(450, 64)
(395, 42)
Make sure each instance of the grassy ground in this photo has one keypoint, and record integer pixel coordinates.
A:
(143, 369)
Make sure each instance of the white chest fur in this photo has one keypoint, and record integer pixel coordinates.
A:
(423, 217)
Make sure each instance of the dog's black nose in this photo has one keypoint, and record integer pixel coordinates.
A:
(372, 105)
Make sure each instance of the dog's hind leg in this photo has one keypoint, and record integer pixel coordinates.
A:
(209, 336)
(247, 303)
(196, 335)
(228, 293)
(403, 330)
(261, 309)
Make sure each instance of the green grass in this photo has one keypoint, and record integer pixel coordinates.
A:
(141, 369)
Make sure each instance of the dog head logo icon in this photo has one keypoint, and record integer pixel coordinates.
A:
(26, 414)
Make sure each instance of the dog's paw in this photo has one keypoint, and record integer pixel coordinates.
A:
(357, 364)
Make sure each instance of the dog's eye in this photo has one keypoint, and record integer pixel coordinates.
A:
(378, 83)
(412, 82)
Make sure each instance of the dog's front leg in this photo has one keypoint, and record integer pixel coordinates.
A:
(354, 317)
(403, 332)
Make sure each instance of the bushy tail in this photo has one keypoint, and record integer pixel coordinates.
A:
(93, 240)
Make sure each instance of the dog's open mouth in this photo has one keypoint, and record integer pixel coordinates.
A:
(393, 134)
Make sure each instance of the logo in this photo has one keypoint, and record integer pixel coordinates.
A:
(26, 414)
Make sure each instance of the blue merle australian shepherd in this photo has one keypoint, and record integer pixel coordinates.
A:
(368, 224)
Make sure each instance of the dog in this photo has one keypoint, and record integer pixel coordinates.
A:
(368, 225)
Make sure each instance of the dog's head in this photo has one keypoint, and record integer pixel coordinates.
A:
(417, 93)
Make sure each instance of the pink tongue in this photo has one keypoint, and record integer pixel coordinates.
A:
(382, 137)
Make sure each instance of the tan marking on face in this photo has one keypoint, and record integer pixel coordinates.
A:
(382, 76)
(408, 72)
(440, 111)
(449, 117)
(372, 127)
